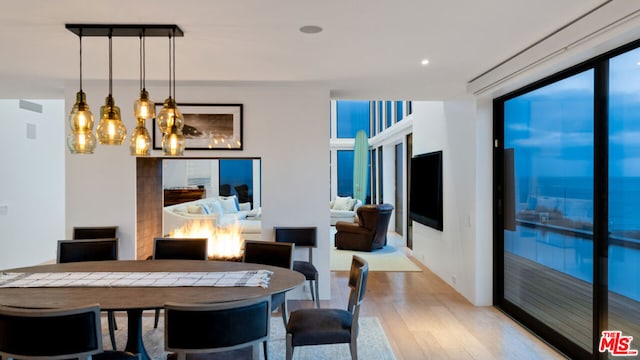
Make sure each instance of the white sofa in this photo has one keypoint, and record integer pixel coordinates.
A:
(221, 211)
(343, 209)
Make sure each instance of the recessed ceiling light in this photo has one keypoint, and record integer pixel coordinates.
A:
(310, 29)
(424, 62)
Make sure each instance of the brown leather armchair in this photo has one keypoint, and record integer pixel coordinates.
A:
(369, 233)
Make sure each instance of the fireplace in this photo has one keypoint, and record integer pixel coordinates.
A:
(225, 242)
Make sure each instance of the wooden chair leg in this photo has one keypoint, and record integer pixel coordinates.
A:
(353, 346)
(157, 318)
(266, 352)
(289, 347)
(112, 325)
(317, 293)
(283, 311)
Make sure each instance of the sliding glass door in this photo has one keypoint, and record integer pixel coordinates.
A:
(567, 206)
(548, 240)
(624, 195)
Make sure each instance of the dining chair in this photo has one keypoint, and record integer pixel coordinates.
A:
(36, 334)
(91, 250)
(302, 237)
(274, 254)
(331, 326)
(94, 232)
(178, 249)
(219, 327)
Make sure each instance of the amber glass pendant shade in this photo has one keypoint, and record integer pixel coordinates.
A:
(81, 142)
(170, 116)
(110, 130)
(140, 143)
(81, 139)
(173, 142)
(144, 108)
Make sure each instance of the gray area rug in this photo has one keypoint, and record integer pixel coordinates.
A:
(372, 342)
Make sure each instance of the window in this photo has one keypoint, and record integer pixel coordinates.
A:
(351, 117)
(389, 112)
(236, 178)
(345, 172)
(399, 114)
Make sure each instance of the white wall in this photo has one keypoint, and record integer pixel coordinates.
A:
(454, 253)
(32, 183)
(286, 126)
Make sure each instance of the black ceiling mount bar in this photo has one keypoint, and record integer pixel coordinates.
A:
(122, 30)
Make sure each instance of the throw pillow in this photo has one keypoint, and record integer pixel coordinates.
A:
(232, 197)
(228, 205)
(342, 203)
(352, 203)
(245, 206)
(255, 213)
(194, 209)
(215, 207)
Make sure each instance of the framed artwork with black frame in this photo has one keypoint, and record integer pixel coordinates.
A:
(207, 126)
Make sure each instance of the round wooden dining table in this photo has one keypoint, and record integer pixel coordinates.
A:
(134, 300)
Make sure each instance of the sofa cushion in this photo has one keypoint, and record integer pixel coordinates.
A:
(342, 214)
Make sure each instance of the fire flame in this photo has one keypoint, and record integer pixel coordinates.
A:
(225, 242)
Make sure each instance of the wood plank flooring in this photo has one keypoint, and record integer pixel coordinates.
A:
(424, 318)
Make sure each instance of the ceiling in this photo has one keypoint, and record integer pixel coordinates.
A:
(368, 49)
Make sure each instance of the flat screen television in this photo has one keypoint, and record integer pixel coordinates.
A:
(425, 189)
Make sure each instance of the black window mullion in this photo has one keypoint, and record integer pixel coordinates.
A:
(600, 204)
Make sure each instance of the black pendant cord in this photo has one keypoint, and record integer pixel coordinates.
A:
(141, 75)
(110, 66)
(144, 60)
(170, 73)
(174, 63)
(80, 37)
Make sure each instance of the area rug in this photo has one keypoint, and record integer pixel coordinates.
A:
(388, 258)
(372, 342)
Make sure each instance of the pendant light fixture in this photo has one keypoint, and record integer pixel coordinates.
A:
(143, 109)
(110, 130)
(170, 120)
(81, 140)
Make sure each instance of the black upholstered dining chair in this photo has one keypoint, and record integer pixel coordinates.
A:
(94, 232)
(331, 326)
(91, 250)
(305, 237)
(54, 334)
(222, 327)
(178, 249)
(274, 254)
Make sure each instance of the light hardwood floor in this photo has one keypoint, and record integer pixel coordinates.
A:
(424, 318)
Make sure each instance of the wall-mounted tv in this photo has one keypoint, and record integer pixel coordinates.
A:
(425, 189)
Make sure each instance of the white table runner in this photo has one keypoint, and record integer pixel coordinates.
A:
(252, 278)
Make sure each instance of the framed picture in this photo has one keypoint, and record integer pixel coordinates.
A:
(207, 126)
